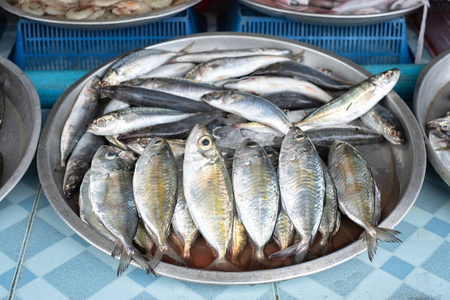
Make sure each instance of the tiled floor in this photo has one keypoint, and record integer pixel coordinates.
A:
(42, 258)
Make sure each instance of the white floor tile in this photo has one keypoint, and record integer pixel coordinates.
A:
(6, 263)
(11, 215)
(378, 285)
(381, 257)
(428, 283)
(165, 288)
(444, 213)
(122, 288)
(418, 217)
(49, 215)
(4, 293)
(246, 292)
(39, 289)
(306, 288)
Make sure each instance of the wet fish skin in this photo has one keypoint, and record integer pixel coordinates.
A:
(79, 162)
(238, 241)
(293, 101)
(134, 118)
(182, 87)
(384, 122)
(284, 230)
(355, 135)
(83, 111)
(249, 106)
(205, 56)
(441, 127)
(356, 192)
(440, 146)
(256, 193)
(114, 105)
(302, 189)
(139, 96)
(264, 85)
(210, 203)
(305, 72)
(112, 199)
(176, 69)
(155, 190)
(354, 103)
(231, 67)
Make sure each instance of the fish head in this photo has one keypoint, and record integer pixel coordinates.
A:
(272, 154)
(296, 141)
(197, 72)
(441, 127)
(72, 181)
(394, 135)
(105, 156)
(385, 81)
(157, 145)
(103, 122)
(248, 150)
(217, 98)
(127, 158)
(201, 144)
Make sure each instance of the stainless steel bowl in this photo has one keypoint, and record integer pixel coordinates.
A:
(404, 165)
(328, 19)
(432, 100)
(119, 22)
(21, 125)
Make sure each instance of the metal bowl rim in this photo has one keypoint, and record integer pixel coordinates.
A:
(30, 150)
(247, 277)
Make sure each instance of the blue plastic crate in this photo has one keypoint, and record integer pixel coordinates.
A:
(381, 43)
(41, 47)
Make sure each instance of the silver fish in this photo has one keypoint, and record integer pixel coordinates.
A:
(382, 121)
(204, 56)
(356, 192)
(256, 193)
(238, 241)
(266, 85)
(355, 135)
(284, 231)
(143, 239)
(178, 69)
(114, 105)
(441, 127)
(441, 147)
(354, 103)
(209, 194)
(251, 107)
(155, 190)
(83, 111)
(302, 188)
(233, 67)
(79, 162)
(134, 118)
(111, 194)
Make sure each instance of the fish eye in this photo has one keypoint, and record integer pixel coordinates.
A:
(71, 181)
(388, 75)
(110, 155)
(393, 132)
(144, 141)
(157, 142)
(252, 144)
(205, 143)
(215, 94)
(104, 84)
(101, 122)
(444, 126)
(270, 153)
(299, 136)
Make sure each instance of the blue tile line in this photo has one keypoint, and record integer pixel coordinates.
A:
(24, 247)
(275, 291)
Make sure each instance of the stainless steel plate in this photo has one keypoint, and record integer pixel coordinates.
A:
(326, 19)
(432, 100)
(400, 170)
(21, 125)
(100, 24)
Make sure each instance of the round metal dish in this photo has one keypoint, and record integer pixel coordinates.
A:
(409, 160)
(21, 124)
(431, 101)
(328, 19)
(119, 22)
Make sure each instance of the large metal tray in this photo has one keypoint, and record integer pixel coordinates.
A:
(402, 169)
(21, 125)
(432, 100)
(328, 19)
(100, 24)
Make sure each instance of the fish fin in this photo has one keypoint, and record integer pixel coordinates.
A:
(223, 264)
(125, 259)
(174, 255)
(187, 49)
(375, 234)
(377, 212)
(142, 261)
(156, 258)
(299, 250)
(116, 250)
(299, 56)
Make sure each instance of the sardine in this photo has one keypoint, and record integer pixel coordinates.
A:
(224, 68)
(83, 111)
(293, 101)
(265, 85)
(209, 194)
(155, 190)
(256, 194)
(114, 105)
(304, 72)
(441, 127)
(238, 241)
(112, 199)
(204, 56)
(134, 118)
(284, 231)
(354, 103)
(302, 189)
(79, 162)
(251, 107)
(355, 135)
(384, 122)
(182, 87)
(177, 69)
(139, 96)
(356, 192)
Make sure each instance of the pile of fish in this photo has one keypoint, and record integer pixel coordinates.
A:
(346, 7)
(439, 138)
(232, 145)
(93, 9)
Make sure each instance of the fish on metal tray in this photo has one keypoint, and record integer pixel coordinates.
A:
(357, 193)
(384, 122)
(176, 69)
(284, 231)
(209, 194)
(238, 241)
(293, 101)
(205, 56)
(355, 135)
(441, 127)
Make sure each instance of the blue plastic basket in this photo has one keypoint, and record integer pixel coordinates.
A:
(41, 47)
(382, 43)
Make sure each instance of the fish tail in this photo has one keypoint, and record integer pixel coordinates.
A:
(128, 253)
(223, 264)
(187, 49)
(125, 259)
(166, 250)
(186, 255)
(141, 261)
(299, 56)
(116, 250)
(259, 259)
(299, 250)
(375, 234)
